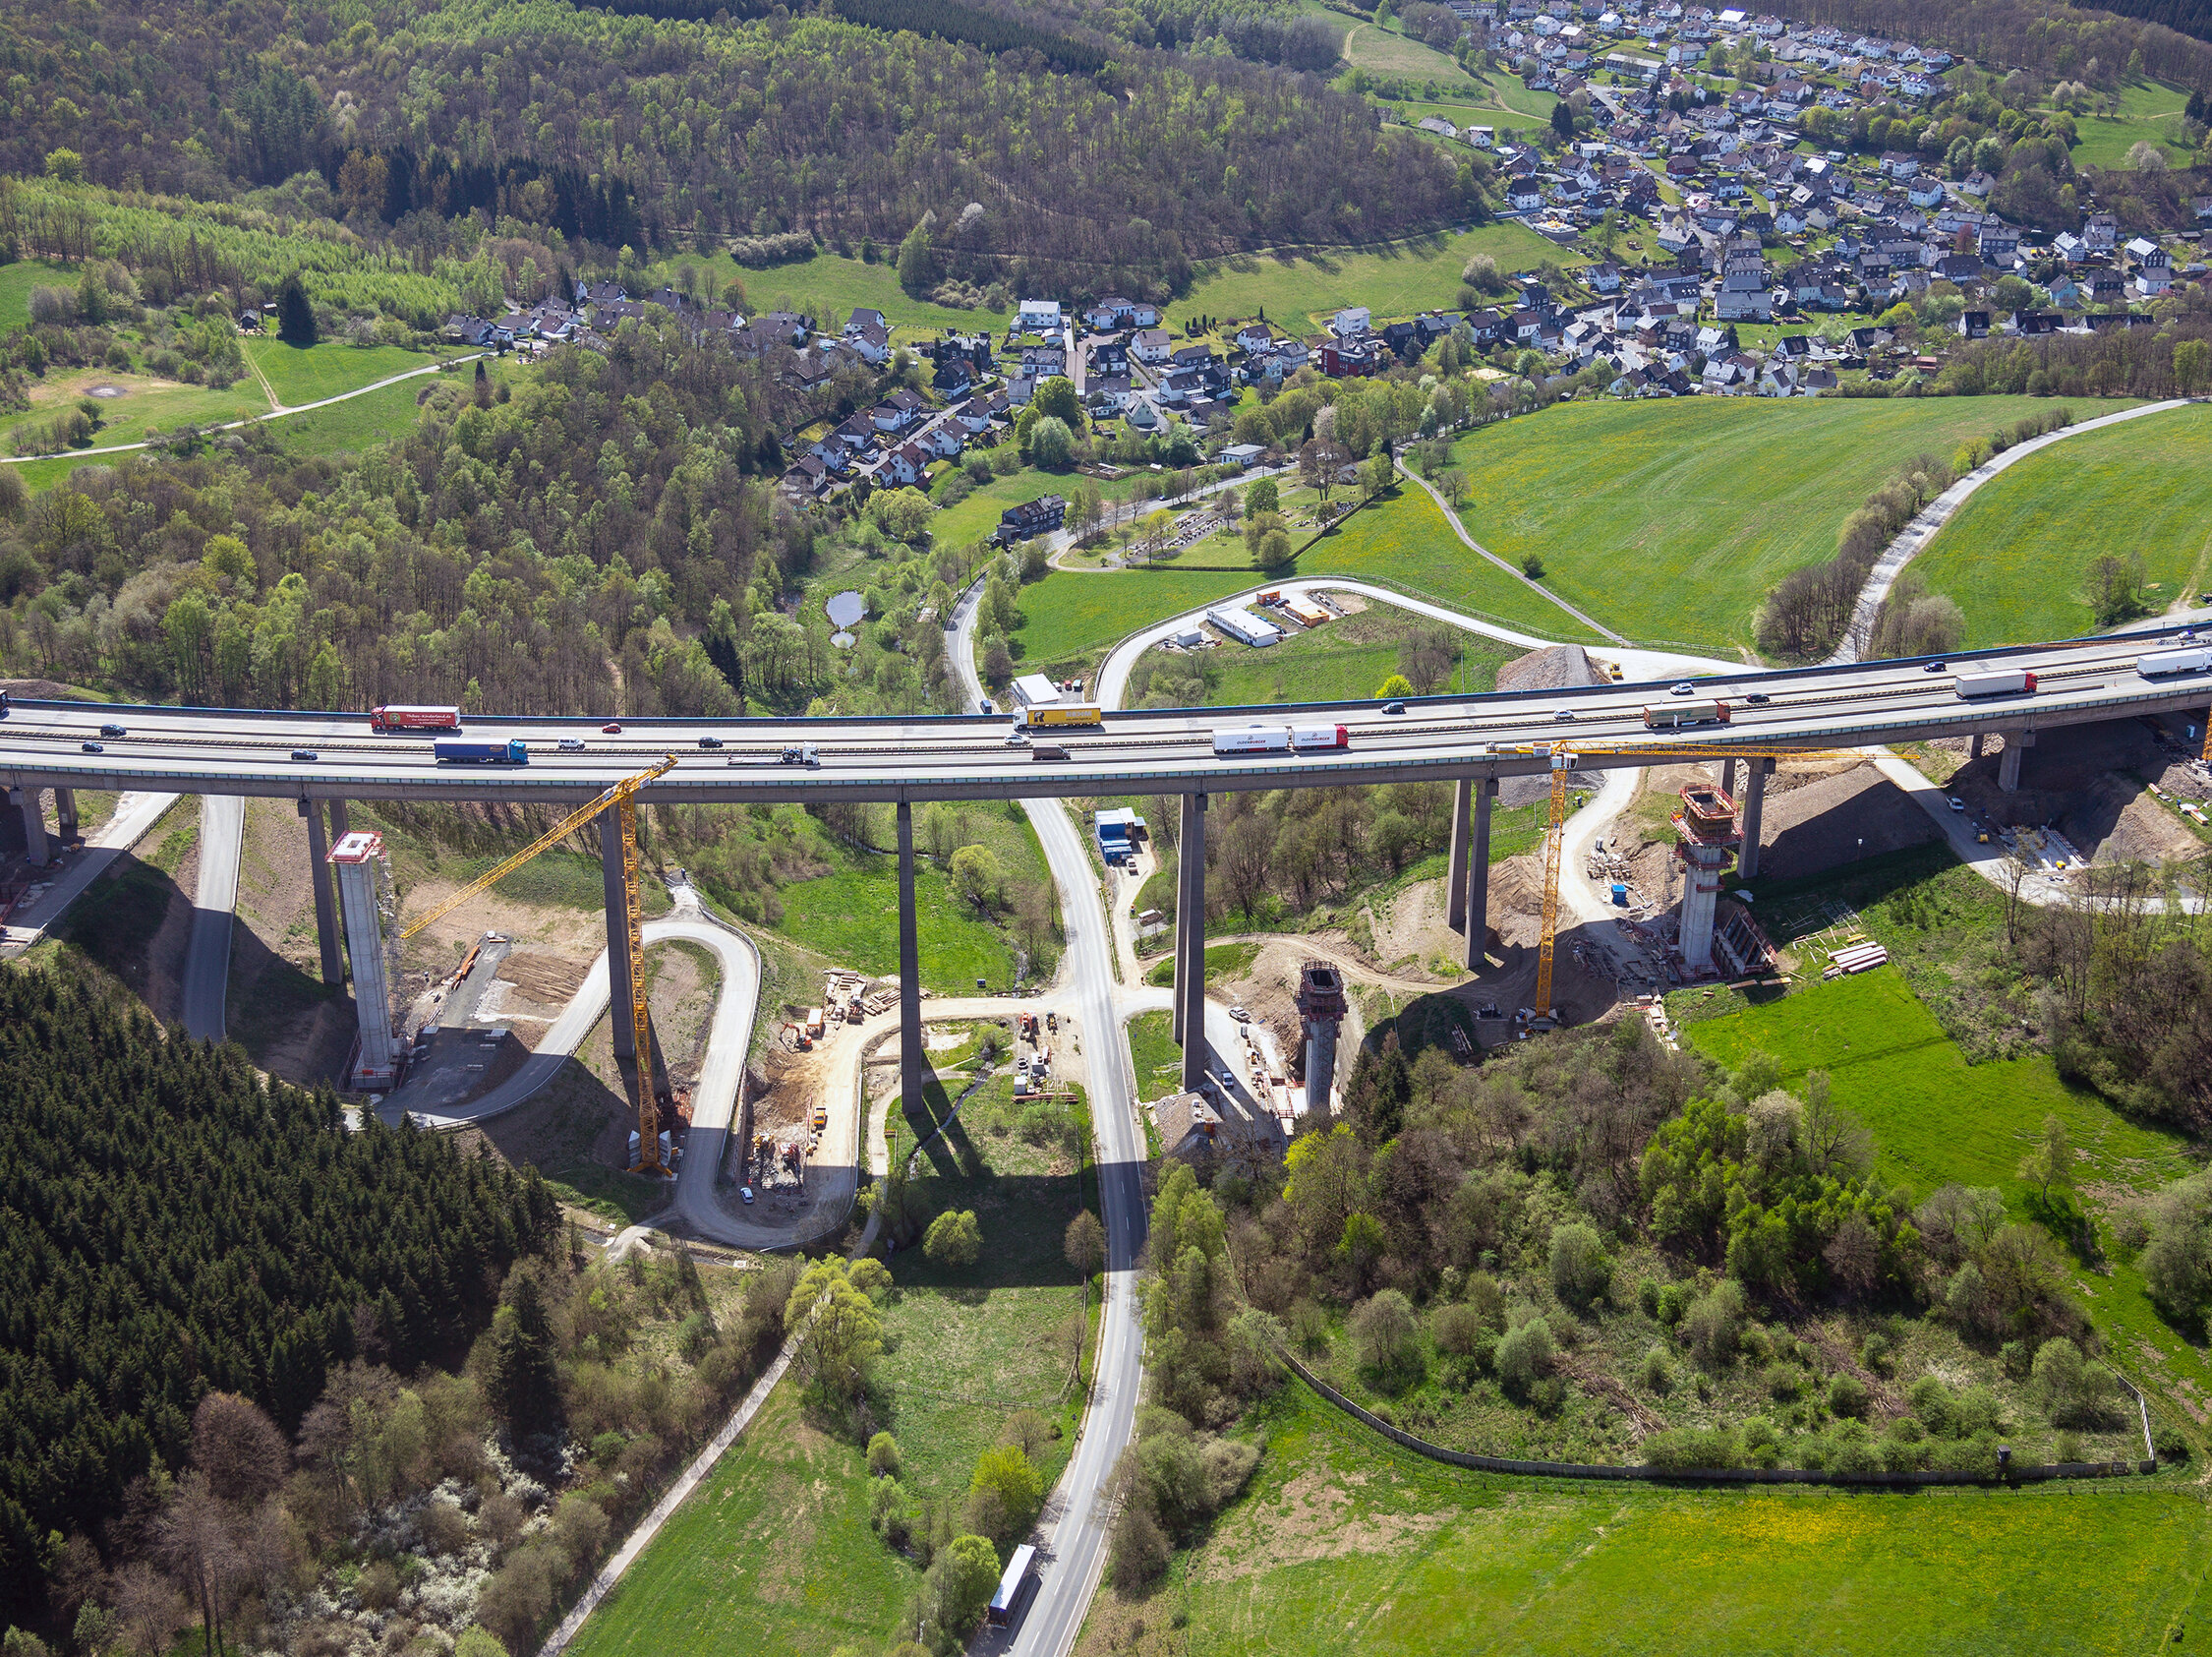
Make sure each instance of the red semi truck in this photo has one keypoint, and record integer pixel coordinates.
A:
(405, 718)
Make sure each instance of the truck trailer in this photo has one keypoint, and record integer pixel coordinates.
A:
(2165, 662)
(2009, 683)
(398, 716)
(513, 751)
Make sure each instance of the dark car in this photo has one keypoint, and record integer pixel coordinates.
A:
(113, 731)
(1933, 667)
(93, 747)
(1048, 750)
(306, 756)
(1393, 707)
(1759, 698)
(710, 742)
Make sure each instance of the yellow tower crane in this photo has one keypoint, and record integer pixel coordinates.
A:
(622, 795)
(1564, 760)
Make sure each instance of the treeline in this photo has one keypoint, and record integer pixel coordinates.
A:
(625, 130)
(2057, 40)
(2189, 17)
(1808, 611)
(1259, 30)
(2154, 362)
(509, 556)
(2128, 988)
(974, 25)
(176, 1227)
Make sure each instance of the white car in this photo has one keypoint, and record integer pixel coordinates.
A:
(746, 1192)
(1017, 739)
(1564, 715)
(1685, 688)
(571, 744)
(1957, 804)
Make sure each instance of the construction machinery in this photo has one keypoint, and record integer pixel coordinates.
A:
(1565, 760)
(622, 797)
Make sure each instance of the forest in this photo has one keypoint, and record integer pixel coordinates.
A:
(179, 1229)
(2056, 40)
(1116, 169)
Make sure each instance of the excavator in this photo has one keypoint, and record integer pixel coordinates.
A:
(621, 796)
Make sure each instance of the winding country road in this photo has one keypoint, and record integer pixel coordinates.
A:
(277, 412)
(1912, 539)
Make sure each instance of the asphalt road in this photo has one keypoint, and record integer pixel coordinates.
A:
(1148, 751)
(1074, 1553)
(135, 815)
(206, 980)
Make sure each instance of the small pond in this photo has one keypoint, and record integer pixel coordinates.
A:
(848, 610)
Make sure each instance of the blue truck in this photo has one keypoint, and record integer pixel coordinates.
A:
(513, 751)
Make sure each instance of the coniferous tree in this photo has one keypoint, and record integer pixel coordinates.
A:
(295, 314)
(523, 1385)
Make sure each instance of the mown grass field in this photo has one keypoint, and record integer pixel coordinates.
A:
(830, 279)
(1393, 281)
(305, 374)
(2146, 116)
(1669, 521)
(772, 1553)
(1936, 1119)
(18, 279)
(1383, 50)
(358, 423)
(1403, 540)
(145, 403)
(851, 916)
(975, 518)
(1073, 617)
(1153, 1056)
(2016, 555)
(1347, 1544)
(1341, 660)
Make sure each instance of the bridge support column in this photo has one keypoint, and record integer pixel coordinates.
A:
(1191, 936)
(1974, 748)
(65, 812)
(1754, 806)
(2017, 744)
(1477, 875)
(913, 1067)
(340, 825)
(319, 879)
(617, 905)
(34, 845)
(1728, 777)
(1455, 883)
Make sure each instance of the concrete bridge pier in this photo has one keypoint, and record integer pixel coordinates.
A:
(1974, 748)
(340, 825)
(35, 847)
(1455, 883)
(914, 1065)
(2017, 744)
(1728, 777)
(618, 905)
(65, 810)
(1190, 941)
(1754, 806)
(1475, 905)
(325, 909)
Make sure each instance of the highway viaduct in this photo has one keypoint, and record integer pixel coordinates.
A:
(323, 760)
